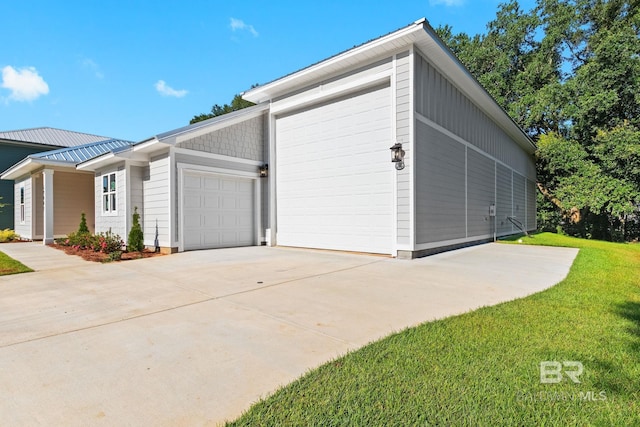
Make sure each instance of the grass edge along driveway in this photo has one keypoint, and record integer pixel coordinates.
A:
(483, 367)
(9, 265)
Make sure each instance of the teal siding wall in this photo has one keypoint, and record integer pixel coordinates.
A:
(10, 154)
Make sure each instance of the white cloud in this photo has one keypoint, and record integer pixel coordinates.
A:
(238, 24)
(165, 90)
(95, 68)
(447, 3)
(25, 84)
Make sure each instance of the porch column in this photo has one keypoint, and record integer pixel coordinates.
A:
(47, 189)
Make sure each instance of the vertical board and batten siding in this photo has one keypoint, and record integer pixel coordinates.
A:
(504, 204)
(326, 199)
(73, 194)
(440, 101)
(519, 198)
(531, 205)
(440, 193)
(114, 222)
(24, 229)
(403, 135)
(480, 193)
(465, 161)
(156, 201)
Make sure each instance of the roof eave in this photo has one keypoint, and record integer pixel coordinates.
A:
(29, 164)
(111, 157)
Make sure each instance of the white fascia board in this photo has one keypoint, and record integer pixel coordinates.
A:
(29, 165)
(319, 94)
(363, 52)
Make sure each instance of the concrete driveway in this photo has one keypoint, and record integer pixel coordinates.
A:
(195, 338)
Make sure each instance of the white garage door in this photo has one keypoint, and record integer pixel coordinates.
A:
(334, 174)
(218, 211)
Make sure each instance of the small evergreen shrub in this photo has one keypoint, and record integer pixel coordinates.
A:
(136, 236)
(82, 228)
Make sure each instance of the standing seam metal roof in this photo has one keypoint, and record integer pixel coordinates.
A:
(82, 153)
(51, 136)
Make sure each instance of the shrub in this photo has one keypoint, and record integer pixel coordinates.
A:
(136, 236)
(82, 228)
(79, 240)
(114, 256)
(107, 242)
(8, 235)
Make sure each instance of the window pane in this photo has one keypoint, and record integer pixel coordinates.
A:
(113, 202)
(21, 195)
(105, 184)
(112, 178)
(21, 213)
(105, 203)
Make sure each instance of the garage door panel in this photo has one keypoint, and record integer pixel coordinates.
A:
(334, 180)
(218, 211)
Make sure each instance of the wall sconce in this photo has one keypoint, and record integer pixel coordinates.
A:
(397, 155)
(264, 170)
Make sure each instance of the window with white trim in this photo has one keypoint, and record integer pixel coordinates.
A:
(109, 193)
(22, 204)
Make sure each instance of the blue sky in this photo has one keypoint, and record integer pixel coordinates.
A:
(133, 69)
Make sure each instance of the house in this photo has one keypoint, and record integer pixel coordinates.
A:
(51, 194)
(17, 144)
(390, 147)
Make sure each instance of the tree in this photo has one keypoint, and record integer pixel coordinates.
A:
(237, 103)
(568, 72)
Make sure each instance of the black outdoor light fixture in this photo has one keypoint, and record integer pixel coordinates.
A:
(264, 170)
(397, 155)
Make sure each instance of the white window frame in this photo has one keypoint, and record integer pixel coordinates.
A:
(22, 207)
(109, 193)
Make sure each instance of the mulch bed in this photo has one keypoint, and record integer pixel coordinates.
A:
(91, 255)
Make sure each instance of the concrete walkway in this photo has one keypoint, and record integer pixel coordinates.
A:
(195, 338)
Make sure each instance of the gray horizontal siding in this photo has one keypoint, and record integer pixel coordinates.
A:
(519, 198)
(403, 132)
(531, 205)
(214, 163)
(504, 203)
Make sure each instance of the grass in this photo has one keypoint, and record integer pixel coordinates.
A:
(483, 367)
(9, 265)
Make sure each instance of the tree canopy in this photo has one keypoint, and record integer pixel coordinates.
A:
(568, 72)
(237, 103)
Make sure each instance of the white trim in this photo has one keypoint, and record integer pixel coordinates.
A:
(48, 208)
(267, 91)
(109, 193)
(22, 195)
(432, 245)
(174, 235)
(273, 170)
(393, 171)
(319, 94)
(466, 192)
(189, 152)
(127, 201)
(413, 191)
(183, 168)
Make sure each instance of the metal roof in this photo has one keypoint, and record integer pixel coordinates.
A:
(51, 136)
(82, 153)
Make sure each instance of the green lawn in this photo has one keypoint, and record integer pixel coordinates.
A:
(9, 265)
(483, 367)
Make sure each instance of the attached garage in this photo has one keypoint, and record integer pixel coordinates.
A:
(218, 211)
(334, 184)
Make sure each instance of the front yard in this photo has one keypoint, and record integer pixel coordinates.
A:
(484, 367)
(9, 265)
